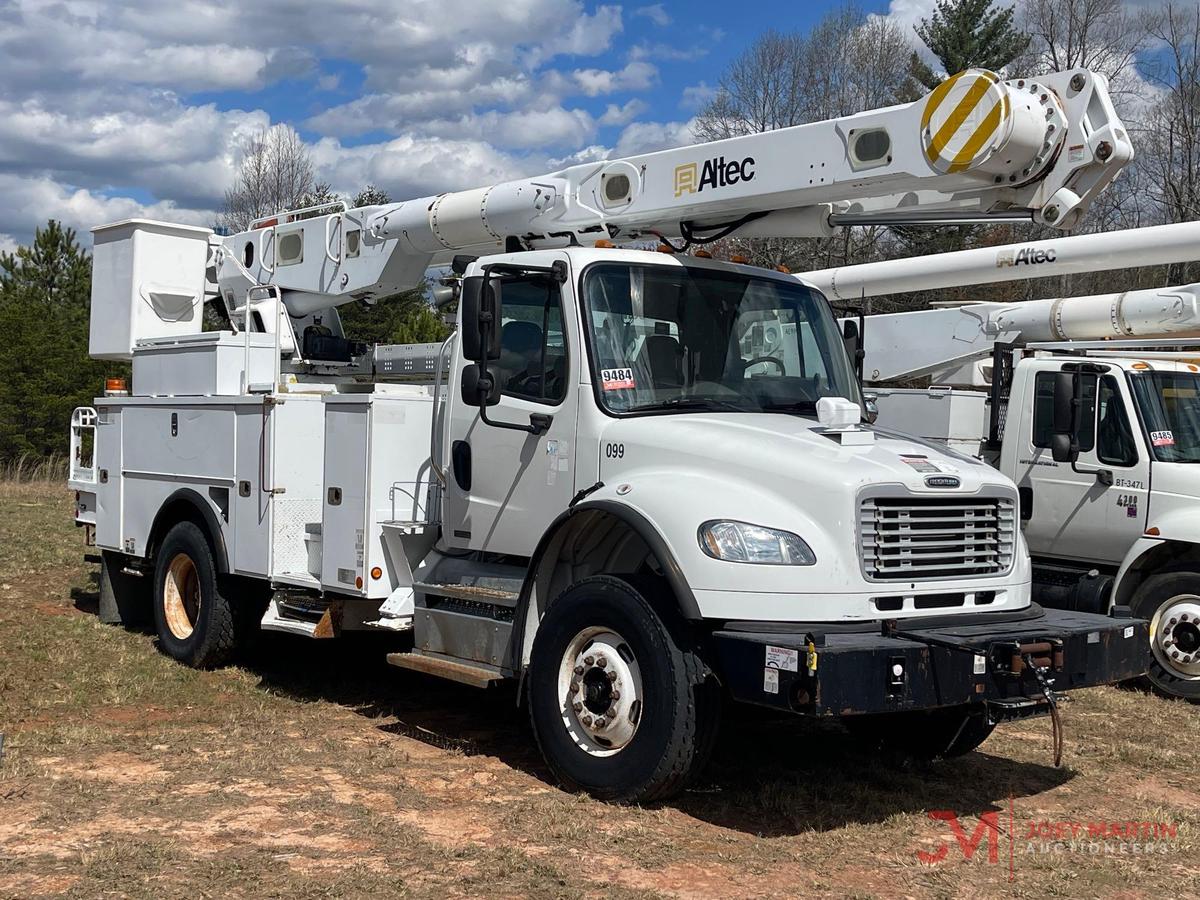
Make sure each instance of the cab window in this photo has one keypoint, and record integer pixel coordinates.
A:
(533, 349)
(1114, 437)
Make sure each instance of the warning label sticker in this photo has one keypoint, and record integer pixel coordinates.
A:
(771, 681)
(783, 658)
(1162, 438)
(616, 380)
(920, 463)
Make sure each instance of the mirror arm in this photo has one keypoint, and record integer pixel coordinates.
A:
(1103, 476)
(539, 423)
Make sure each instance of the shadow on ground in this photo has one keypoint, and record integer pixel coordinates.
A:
(770, 774)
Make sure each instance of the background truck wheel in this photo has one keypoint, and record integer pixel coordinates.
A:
(620, 703)
(1171, 601)
(124, 599)
(932, 734)
(196, 623)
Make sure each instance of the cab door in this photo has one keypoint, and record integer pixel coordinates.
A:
(504, 486)
(1072, 510)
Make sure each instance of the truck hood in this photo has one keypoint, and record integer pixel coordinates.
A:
(791, 449)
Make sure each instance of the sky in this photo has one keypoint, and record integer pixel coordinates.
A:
(142, 108)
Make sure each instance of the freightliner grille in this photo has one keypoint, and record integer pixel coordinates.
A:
(911, 538)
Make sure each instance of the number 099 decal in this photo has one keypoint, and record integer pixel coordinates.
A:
(614, 451)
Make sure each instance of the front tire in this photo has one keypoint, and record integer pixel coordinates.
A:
(196, 623)
(621, 704)
(1171, 601)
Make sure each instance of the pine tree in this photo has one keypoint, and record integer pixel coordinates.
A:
(968, 33)
(45, 371)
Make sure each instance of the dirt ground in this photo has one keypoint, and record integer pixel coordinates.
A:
(315, 770)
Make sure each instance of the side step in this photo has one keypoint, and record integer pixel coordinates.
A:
(473, 592)
(286, 614)
(476, 675)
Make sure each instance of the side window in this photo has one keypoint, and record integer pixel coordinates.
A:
(1114, 438)
(533, 348)
(1043, 411)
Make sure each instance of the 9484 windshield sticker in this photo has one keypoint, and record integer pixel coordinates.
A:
(616, 379)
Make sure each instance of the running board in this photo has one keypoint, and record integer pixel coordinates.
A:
(472, 592)
(475, 675)
(277, 618)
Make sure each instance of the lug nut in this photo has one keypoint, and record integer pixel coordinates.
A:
(602, 662)
(574, 687)
(578, 707)
(589, 660)
(616, 695)
(587, 720)
(612, 712)
(1183, 617)
(612, 676)
(1173, 621)
(601, 722)
(578, 670)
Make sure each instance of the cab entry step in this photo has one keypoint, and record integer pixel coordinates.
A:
(824, 670)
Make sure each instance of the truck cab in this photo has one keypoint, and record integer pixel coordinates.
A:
(1118, 499)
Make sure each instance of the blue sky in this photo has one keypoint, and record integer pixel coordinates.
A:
(110, 110)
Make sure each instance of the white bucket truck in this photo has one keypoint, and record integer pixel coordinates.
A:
(645, 479)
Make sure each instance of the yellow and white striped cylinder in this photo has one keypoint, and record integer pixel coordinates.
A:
(975, 123)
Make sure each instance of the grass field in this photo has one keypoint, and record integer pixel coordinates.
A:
(317, 770)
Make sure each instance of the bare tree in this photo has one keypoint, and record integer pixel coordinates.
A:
(275, 173)
(1101, 35)
(849, 62)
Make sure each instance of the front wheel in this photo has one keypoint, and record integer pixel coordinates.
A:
(620, 703)
(1171, 601)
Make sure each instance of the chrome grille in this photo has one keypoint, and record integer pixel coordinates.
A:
(912, 538)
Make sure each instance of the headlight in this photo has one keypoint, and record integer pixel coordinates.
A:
(746, 543)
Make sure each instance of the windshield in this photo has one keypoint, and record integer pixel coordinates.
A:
(682, 338)
(1170, 405)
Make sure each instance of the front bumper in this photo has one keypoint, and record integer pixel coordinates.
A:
(823, 669)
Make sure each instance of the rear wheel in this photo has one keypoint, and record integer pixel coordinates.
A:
(1171, 601)
(923, 734)
(620, 703)
(195, 621)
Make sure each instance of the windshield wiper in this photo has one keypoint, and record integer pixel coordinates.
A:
(706, 403)
(809, 406)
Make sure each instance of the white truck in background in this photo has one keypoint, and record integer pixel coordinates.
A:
(1090, 404)
(615, 497)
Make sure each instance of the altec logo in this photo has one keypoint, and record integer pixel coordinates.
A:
(1026, 257)
(691, 179)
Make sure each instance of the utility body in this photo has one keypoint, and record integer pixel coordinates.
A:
(630, 480)
(1091, 405)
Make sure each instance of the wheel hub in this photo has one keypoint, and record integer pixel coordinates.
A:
(181, 596)
(1175, 636)
(600, 689)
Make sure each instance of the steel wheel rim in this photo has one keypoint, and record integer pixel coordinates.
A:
(181, 596)
(600, 691)
(1175, 636)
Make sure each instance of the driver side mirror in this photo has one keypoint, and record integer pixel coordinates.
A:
(480, 310)
(852, 338)
(1064, 431)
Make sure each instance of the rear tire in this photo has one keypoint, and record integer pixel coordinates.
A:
(923, 734)
(621, 705)
(196, 623)
(1171, 601)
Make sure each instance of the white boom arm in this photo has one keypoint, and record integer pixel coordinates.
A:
(946, 342)
(977, 148)
(1154, 246)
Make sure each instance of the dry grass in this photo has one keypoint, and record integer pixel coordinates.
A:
(315, 770)
(30, 467)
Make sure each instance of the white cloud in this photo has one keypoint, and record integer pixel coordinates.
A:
(635, 76)
(623, 115)
(655, 13)
(697, 95)
(646, 137)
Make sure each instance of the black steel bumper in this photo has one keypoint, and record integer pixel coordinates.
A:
(913, 664)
